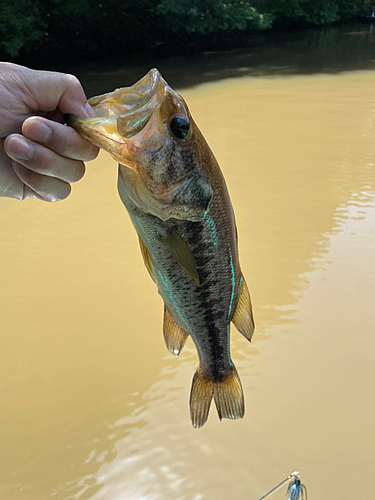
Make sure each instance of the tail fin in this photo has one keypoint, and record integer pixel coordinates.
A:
(229, 398)
(200, 399)
(227, 394)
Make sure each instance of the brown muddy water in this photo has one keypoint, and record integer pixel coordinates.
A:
(92, 404)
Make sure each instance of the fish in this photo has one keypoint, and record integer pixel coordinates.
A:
(178, 202)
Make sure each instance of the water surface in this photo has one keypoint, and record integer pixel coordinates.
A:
(92, 404)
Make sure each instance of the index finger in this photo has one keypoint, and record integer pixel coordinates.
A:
(50, 90)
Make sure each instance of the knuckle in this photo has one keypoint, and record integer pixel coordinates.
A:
(71, 80)
(70, 145)
(46, 162)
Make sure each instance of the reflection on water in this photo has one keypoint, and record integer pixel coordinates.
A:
(92, 404)
(328, 50)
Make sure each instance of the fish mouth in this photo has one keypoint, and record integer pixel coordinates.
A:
(121, 115)
(139, 126)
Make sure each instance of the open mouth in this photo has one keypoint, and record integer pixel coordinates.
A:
(123, 113)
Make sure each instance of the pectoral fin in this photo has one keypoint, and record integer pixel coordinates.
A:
(182, 254)
(146, 259)
(174, 336)
(243, 317)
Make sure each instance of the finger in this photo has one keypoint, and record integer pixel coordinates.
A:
(63, 140)
(46, 188)
(52, 90)
(11, 185)
(42, 160)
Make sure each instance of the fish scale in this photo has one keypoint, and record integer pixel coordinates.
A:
(176, 196)
(201, 307)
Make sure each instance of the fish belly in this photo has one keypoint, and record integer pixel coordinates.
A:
(204, 311)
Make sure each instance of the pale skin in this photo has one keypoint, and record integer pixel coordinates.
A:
(40, 157)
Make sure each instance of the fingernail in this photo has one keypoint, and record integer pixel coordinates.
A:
(19, 149)
(44, 132)
(90, 112)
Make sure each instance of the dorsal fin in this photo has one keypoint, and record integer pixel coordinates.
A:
(243, 316)
(174, 336)
(146, 258)
(182, 254)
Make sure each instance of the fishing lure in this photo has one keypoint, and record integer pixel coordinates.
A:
(296, 490)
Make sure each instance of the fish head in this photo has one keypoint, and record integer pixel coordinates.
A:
(148, 129)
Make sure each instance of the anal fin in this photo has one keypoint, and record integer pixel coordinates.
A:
(174, 335)
(243, 316)
(146, 258)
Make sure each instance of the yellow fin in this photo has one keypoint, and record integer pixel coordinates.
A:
(200, 399)
(174, 336)
(243, 316)
(146, 258)
(228, 396)
(182, 254)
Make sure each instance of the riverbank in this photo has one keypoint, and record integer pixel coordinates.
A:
(48, 32)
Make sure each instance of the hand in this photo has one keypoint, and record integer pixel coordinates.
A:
(39, 155)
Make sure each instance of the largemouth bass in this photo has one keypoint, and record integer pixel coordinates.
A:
(177, 199)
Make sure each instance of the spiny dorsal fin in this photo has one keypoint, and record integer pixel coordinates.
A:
(174, 336)
(228, 396)
(182, 254)
(146, 258)
(243, 315)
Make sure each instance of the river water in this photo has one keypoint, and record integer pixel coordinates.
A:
(92, 404)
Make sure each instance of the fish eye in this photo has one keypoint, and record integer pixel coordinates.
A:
(180, 127)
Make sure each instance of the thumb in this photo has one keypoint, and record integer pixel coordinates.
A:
(49, 91)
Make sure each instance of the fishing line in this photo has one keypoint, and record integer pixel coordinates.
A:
(296, 490)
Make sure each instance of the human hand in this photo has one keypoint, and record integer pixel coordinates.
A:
(39, 155)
